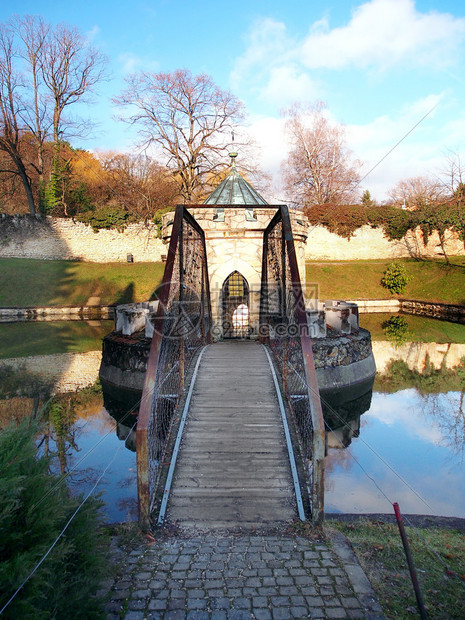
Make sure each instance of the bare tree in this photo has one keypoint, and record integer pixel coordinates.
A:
(417, 192)
(11, 109)
(71, 69)
(43, 70)
(453, 176)
(188, 117)
(319, 168)
(33, 32)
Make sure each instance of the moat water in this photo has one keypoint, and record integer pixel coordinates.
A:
(404, 442)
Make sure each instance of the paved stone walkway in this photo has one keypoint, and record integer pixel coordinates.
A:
(240, 577)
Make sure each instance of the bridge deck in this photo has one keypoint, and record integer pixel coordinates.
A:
(233, 469)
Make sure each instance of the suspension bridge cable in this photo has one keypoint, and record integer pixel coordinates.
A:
(361, 467)
(398, 143)
(385, 156)
(432, 550)
(68, 523)
(382, 459)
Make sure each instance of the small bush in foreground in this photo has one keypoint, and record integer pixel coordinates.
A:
(33, 511)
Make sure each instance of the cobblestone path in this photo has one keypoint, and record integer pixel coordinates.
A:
(240, 577)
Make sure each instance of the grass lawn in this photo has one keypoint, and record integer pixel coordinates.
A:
(420, 328)
(439, 557)
(432, 280)
(25, 282)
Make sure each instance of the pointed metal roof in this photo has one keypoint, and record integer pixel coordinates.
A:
(234, 190)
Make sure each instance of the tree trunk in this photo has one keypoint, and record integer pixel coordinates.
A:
(442, 240)
(27, 186)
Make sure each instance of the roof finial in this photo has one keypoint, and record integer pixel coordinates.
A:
(233, 156)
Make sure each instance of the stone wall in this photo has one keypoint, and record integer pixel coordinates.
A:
(59, 238)
(448, 312)
(371, 243)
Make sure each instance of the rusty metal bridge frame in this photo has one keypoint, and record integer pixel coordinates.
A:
(183, 325)
(284, 328)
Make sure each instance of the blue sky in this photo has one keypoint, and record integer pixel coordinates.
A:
(380, 65)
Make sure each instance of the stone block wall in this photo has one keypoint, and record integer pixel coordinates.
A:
(371, 243)
(64, 239)
(418, 355)
(58, 238)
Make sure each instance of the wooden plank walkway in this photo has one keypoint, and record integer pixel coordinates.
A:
(233, 468)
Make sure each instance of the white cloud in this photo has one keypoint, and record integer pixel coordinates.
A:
(267, 42)
(278, 68)
(270, 68)
(417, 149)
(287, 84)
(129, 63)
(93, 33)
(269, 133)
(383, 33)
(380, 35)
(402, 409)
(371, 142)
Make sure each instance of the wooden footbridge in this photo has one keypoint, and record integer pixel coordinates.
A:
(221, 424)
(233, 466)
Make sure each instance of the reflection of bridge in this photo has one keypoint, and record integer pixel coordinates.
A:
(231, 468)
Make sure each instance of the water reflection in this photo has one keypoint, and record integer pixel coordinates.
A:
(446, 413)
(342, 410)
(60, 389)
(402, 455)
(124, 412)
(409, 446)
(407, 432)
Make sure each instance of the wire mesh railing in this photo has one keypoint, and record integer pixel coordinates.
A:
(182, 324)
(284, 328)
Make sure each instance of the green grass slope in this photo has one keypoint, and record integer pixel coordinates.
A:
(25, 282)
(431, 280)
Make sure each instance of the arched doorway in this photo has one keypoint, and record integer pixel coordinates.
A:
(235, 306)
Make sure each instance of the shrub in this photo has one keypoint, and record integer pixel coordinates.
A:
(109, 216)
(395, 278)
(33, 511)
